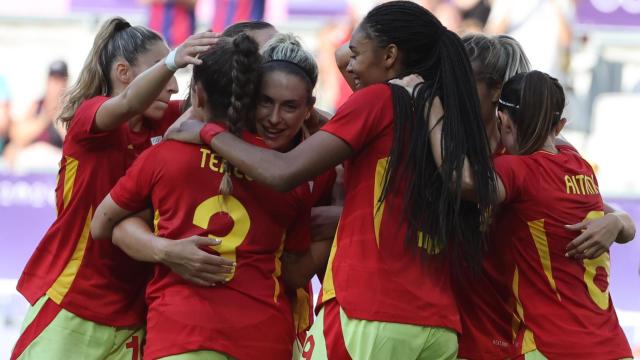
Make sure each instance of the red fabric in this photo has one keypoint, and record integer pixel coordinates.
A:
(45, 316)
(388, 282)
(336, 347)
(566, 322)
(240, 318)
(487, 306)
(108, 286)
(209, 131)
(486, 303)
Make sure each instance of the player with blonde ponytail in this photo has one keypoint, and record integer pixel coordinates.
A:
(85, 294)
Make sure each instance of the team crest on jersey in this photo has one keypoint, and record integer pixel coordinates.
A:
(156, 140)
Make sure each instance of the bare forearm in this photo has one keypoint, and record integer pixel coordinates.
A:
(145, 88)
(135, 238)
(628, 229)
(283, 171)
(342, 55)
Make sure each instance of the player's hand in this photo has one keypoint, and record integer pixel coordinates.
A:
(187, 53)
(324, 222)
(187, 258)
(596, 237)
(409, 82)
(188, 131)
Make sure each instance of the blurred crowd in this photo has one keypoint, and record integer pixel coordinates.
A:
(32, 140)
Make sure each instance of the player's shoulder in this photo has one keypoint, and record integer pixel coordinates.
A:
(373, 92)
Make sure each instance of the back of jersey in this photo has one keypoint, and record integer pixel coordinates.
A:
(564, 302)
(249, 316)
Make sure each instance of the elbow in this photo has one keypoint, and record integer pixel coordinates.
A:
(280, 181)
(97, 230)
(100, 227)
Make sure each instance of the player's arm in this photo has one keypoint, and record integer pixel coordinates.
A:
(298, 269)
(343, 56)
(185, 257)
(280, 171)
(107, 215)
(146, 87)
(467, 185)
(598, 235)
(324, 222)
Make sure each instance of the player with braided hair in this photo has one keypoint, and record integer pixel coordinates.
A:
(249, 316)
(401, 227)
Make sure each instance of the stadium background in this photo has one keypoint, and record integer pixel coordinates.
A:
(598, 62)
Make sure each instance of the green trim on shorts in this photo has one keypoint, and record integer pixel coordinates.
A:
(534, 355)
(199, 355)
(70, 337)
(384, 340)
(33, 311)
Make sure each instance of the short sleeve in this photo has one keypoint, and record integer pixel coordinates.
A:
(512, 172)
(83, 119)
(366, 114)
(133, 191)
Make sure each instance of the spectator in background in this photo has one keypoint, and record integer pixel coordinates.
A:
(5, 113)
(174, 19)
(543, 27)
(227, 12)
(36, 140)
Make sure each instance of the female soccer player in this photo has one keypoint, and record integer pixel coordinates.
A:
(564, 303)
(486, 301)
(285, 102)
(248, 317)
(388, 273)
(86, 294)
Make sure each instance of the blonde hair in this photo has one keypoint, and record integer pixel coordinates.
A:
(115, 39)
(497, 58)
(287, 48)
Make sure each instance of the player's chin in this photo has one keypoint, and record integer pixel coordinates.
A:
(156, 110)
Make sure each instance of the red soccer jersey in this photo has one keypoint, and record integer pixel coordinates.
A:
(249, 317)
(564, 303)
(487, 306)
(486, 303)
(372, 272)
(92, 279)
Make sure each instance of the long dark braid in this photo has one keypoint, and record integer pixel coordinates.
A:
(245, 75)
(231, 87)
(433, 205)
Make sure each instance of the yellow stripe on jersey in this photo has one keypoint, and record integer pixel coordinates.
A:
(301, 310)
(528, 342)
(542, 245)
(63, 283)
(156, 220)
(378, 208)
(278, 269)
(328, 289)
(70, 171)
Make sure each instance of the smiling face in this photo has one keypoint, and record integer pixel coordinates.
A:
(367, 63)
(283, 105)
(158, 50)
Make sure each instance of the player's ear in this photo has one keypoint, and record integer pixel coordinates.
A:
(560, 125)
(199, 97)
